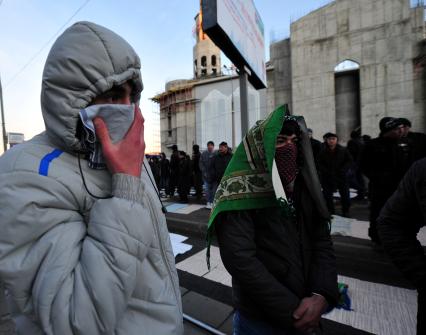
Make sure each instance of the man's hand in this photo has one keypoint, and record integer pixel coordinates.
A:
(308, 313)
(127, 155)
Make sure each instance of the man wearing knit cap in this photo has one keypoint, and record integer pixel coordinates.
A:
(334, 162)
(382, 163)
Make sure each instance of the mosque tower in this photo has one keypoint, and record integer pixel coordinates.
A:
(206, 54)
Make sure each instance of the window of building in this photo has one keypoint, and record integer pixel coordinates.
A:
(346, 65)
(214, 70)
(213, 60)
(204, 61)
(203, 72)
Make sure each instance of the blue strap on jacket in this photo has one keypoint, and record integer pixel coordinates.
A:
(45, 162)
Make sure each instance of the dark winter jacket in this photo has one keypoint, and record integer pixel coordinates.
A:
(174, 165)
(401, 219)
(355, 147)
(382, 162)
(206, 161)
(276, 261)
(185, 175)
(333, 165)
(219, 164)
(165, 168)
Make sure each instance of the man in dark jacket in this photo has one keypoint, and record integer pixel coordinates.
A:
(382, 163)
(206, 160)
(355, 178)
(220, 162)
(174, 170)
(185, 176)
(334, 162)
(197, 178)
(164, 173)
(273, 231)
(398, 224)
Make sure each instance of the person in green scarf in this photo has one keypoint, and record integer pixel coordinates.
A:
(273, 230)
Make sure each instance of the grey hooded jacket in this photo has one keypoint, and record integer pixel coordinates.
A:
(70, 263)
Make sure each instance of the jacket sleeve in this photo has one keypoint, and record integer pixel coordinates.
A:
(398, 227)
(322, 271)
(235, 232)
(75, 275)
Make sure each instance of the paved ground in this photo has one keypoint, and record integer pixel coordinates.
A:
(383, 300)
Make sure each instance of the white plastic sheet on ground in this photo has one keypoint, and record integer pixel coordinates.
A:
(177, 245)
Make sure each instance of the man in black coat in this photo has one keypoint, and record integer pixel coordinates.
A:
(164, 173)
(398, 224)
(273, 231)
(185, 176)
(197, 177)
(174, 170)
(220, 163)
(382, 162)
(334, 162)
(355, 178)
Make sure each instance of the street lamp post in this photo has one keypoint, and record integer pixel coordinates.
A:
(3, 124)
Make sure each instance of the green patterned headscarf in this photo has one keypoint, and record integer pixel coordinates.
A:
(247, 182)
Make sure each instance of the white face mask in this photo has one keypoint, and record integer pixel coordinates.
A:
(118, 119)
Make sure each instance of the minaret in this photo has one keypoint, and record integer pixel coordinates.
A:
(206, 54)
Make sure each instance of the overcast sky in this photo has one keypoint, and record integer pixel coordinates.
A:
(160, 31)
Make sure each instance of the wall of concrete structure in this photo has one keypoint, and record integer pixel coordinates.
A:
(178, 100)
(279, 80)
(382, 36)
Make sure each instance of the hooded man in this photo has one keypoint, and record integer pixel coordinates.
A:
(84, 246)
(273, 230)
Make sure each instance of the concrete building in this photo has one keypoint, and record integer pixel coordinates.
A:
(208, 109)
(218, 114)
(345, 65)
(205, 108)
(350, 63)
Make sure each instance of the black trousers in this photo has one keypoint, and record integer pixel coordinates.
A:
(328, 188)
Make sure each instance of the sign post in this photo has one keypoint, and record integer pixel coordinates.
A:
(236, 28)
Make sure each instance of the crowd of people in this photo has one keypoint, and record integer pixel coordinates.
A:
(371, 167)
(200, 171)
(379, 163)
